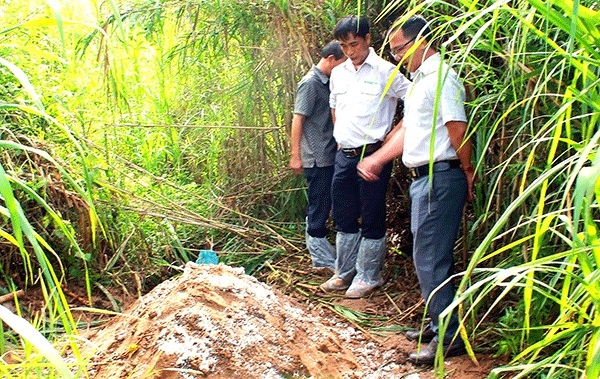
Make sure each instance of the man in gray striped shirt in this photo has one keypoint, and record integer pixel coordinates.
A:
(313, 151)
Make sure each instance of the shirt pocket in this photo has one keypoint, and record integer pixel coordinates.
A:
(370, 88)
(369, 93)
(338, 94)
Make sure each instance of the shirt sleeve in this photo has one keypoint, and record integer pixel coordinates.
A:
(332, 94)
(452, 99)
(306, 96)
(400, 84)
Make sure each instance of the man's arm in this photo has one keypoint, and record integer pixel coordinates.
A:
(370, 167)
(394, 130)
(456, 132)
(295, 139)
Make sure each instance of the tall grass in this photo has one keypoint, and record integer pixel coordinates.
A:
(531, 69)
(172, 122)
(29, 176)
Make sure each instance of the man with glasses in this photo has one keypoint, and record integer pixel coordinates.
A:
(364, 95)
(313, 150)
(433, 144)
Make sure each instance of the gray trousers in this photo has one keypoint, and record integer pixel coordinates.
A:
(436, 214)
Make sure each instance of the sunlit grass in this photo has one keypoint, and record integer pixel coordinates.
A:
(533, 122)
(172, 134)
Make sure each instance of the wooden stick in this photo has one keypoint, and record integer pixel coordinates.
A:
(189, 126)
(10, 296)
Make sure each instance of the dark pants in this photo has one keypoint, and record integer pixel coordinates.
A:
(436, 214)
(319, 200)
(355, 198)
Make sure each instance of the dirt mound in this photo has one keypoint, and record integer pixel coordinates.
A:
(217, 322)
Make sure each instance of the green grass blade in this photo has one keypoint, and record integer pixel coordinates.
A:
(30, 334)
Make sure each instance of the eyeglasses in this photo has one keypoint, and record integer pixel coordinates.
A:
(396, 50)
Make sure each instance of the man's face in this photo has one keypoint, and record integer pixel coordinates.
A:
(356, 48)
(399, 45)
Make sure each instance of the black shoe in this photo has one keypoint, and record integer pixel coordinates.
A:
(425, 336)
(427, 356)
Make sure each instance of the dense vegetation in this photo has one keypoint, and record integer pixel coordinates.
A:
(135, 133)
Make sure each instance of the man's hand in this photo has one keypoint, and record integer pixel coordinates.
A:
(471, 179)
(369, 169)
(296, 165)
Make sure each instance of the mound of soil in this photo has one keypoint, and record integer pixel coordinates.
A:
(216, 322)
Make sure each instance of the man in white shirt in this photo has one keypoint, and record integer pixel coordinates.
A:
(364, 95)
(433, 144)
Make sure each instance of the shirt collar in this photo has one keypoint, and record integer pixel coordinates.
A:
(324, 79)
(428, 66)
(371, 60)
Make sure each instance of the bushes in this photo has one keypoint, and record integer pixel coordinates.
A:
(135, 139)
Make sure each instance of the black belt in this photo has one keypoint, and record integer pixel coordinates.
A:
(417, 172)
(365, 149)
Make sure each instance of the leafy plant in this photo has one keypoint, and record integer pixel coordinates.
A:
(531, 69)
(142, 132)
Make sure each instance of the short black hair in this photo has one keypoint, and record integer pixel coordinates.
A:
(414, 27)
(332, 48)
(357, 25)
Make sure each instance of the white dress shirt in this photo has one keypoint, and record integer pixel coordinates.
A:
(362, 115)
(433, 83)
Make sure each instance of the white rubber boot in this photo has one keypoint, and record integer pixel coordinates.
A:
(321, 252)
(369, 262)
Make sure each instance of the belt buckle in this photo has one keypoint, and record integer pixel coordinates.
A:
(350, 153)
(413, 173)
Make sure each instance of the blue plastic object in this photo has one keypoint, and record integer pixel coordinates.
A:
(207, 257)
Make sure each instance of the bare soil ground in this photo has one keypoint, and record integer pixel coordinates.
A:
(216, 322)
